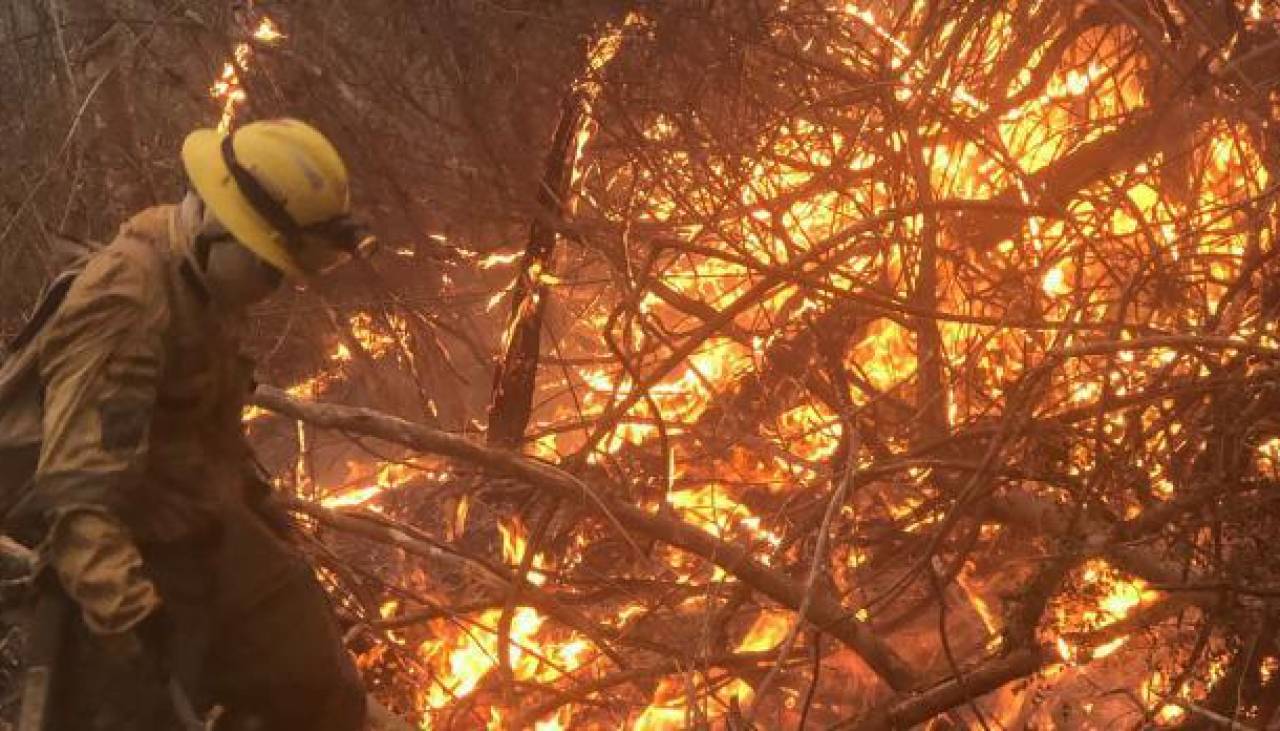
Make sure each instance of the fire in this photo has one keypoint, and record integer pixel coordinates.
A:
(361, 488)
(1118, 597)
(376, 340)
(227, 88)
(681, 398)
(742, 379)
(1055, 282)
(267, 32)
(514, 544)
(461, 661)
(670, 710)
(1154, 690)
(1065, 650)
(768, 631)
(667, 712)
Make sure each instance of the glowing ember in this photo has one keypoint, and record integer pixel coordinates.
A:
(389, 476)
(769, 630)
(1119, 597)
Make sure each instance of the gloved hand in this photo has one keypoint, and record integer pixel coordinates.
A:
(100, 568)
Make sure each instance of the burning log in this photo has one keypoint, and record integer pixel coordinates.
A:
(513, 379)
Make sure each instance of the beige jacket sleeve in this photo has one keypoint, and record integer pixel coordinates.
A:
(100, 361)
(100, 568)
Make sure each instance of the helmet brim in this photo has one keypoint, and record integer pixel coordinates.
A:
(208, 173)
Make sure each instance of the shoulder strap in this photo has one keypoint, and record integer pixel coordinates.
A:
(48, 304)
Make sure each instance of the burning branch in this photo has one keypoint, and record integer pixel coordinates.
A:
(825, 614)
(513, 380)
(941, 329)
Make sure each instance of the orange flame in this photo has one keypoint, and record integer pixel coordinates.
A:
(227, 88)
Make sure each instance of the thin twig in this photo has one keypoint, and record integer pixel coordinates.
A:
(815, 570)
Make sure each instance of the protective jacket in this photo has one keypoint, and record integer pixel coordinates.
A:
(144, 383)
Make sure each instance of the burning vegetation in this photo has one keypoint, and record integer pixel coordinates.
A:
(857, 365)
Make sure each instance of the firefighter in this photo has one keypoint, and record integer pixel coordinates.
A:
(188, 603)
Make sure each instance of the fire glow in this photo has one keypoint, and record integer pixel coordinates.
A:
(744, 426)
(227, 88)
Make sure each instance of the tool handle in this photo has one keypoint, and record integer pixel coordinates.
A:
(45, 637)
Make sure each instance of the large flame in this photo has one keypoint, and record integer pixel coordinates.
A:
(681, 400)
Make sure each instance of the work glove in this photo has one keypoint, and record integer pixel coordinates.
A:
(132, 640)
(100, 568)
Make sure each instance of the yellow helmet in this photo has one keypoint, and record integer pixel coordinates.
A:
(279, 187)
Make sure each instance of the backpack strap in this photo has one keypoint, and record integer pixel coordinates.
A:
(50, 300)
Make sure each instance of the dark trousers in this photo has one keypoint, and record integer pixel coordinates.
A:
(283, 665)
(274, 662)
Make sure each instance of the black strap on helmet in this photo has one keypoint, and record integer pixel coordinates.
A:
(263, 203)
(341, 230)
